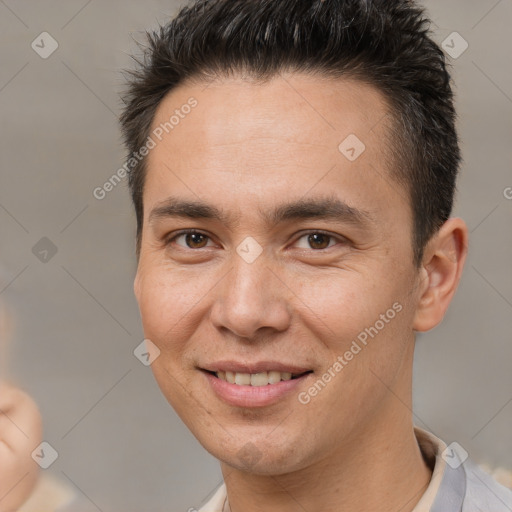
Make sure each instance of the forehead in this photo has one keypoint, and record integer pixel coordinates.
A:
(291, 135)
(292, 108)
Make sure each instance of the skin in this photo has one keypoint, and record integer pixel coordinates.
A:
(247, 148)
(20, 433)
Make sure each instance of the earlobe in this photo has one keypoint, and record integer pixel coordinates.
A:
(441, 270)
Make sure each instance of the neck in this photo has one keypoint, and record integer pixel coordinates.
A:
(381, 475)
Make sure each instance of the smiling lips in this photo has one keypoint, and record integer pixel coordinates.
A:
(261, 373)
(254, 385)
(255, 379)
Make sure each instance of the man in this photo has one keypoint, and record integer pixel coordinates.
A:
(292, 166)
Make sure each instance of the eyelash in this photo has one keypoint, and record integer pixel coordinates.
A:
(311, 232)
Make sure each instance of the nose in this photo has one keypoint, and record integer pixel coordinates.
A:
(251, 299)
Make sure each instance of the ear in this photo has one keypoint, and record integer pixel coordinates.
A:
(442, 266)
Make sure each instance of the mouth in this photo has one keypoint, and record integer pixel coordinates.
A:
(258, 379)
(255, 385)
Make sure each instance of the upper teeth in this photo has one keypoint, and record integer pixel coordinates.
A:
(254, 379)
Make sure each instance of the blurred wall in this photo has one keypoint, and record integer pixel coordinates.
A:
(68, 258)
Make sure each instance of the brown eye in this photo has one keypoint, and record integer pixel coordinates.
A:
(319, 240)
(192, 240)
(195, 240)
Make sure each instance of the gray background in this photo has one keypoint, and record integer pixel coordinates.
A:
(120, 445)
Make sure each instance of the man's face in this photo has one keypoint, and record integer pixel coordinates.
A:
(272, 288)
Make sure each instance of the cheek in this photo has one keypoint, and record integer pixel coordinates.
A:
(367, 323)
(170, 301)
(342, 304)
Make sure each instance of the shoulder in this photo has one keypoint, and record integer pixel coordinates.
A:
(483, 492)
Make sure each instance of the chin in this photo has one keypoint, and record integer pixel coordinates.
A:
(257, 454)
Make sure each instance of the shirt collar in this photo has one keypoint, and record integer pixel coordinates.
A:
(447, 486)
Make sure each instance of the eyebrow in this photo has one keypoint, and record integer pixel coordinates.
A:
(326, 208)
